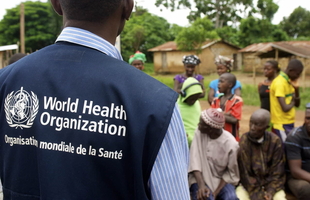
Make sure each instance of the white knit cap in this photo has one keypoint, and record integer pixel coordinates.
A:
(213, 117)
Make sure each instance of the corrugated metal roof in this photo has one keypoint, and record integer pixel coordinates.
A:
(168, 46)
(172, 46)
(9, 47)
(298, 48)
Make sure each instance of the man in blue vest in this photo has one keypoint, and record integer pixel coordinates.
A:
(77, 122)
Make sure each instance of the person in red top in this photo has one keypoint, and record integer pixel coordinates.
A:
(231, 104)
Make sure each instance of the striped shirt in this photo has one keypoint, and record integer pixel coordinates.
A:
(297, 147)
(168, 178)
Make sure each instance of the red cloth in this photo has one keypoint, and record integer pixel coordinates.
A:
(232, 106)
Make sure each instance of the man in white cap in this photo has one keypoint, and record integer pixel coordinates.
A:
(213, 159)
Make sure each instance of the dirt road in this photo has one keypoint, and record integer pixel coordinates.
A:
(247, 112)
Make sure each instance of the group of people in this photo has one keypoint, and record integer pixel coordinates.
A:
(222, 166)
(224, 93)
(77, 122)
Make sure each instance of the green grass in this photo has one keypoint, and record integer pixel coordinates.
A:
(249, 91)
(304, 98)
(149, 68)
(250, 95)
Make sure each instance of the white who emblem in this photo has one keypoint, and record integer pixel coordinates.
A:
(21, 108)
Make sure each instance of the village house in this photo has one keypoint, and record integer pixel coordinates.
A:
(254, 56)
(168, 58)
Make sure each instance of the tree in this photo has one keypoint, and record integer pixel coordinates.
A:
(221, 12)
(229, 34)
(297, 24)
(254, 30)
(40, 26)
(193, 37)
(144, 31)
(267, 8)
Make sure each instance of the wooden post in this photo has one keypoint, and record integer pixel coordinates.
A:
(277, 55)
(304, 74)
(22, 28)
(254, 74)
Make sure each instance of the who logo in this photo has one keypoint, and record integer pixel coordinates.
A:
(21, 108)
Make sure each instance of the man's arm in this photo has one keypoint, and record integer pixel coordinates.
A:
(238, 92)
(203, 190)
(286, 107)
(296, 170)
(231, 174)
(169, 174)
(276, 176)
(293, 149)
(219, 188)
(230, 119)
(210, 95)
(296, 97)
(235, 112)
(177, 86)
(203, 88)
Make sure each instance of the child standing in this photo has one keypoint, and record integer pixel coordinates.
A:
(231, 104)
(223, 65)
(189, 106)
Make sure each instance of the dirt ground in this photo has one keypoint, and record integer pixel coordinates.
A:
(247, 112)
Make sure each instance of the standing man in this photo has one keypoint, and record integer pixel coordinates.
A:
(284, 97)
(261, 161)
(297, 146)
(76, 122)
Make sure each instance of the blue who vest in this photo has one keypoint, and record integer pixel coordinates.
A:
(78, 124)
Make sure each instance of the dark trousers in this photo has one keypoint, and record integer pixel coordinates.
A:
(228, 192)
(300, 188)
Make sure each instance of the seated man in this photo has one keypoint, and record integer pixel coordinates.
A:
(261, 161)
(213, 159)
(297, 146)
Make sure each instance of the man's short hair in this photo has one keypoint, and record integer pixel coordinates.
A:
(295, 64)
(231, 78)
(16, 57)
(308, 106)
(89, 10)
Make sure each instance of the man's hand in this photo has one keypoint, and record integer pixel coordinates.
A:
(215, 194)
(268, 196)
(294, 83)
(203, 193)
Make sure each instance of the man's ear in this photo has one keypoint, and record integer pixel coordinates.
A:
(127, 9)
(57, 7)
